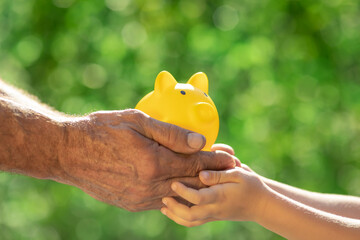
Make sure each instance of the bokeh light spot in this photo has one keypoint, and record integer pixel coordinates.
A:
(112, 46)
(134, 34)
(64, 48)
(305, 113)
(29, 49)
(94, 76)
(117, 5)
(61, 80)
(203, 39)
(192, 9)
(73, 105)
(226, 18)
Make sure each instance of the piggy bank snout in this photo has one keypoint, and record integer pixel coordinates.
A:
(205, 112)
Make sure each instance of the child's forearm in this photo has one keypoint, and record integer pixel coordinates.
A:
(346, 206)
(294, 220)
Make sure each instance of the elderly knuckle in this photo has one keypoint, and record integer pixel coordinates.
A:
(196, 167)
(223, 159)
(143, 121)
(172, 136)
(177, 135)
(131, 116)
(137, 115)
(132, 112)
(209, 161)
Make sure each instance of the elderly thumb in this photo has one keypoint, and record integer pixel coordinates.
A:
(174, 137)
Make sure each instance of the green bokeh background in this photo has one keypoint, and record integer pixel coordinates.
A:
(285, 76)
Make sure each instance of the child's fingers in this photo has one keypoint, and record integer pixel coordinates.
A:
(215, 177)
(202, 196)
(223, 147)
(190, 214)
(179, 220)
(188, 223)
(246, 167)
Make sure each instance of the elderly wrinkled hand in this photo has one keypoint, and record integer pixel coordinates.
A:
(128, 159)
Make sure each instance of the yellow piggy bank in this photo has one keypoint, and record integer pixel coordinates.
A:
(185, 105)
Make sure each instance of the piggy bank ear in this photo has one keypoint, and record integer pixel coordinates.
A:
(200, 80)
(164, 80)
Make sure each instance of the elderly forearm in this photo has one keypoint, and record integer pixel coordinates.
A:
(294, 220)
(346, 206)
(28, 141)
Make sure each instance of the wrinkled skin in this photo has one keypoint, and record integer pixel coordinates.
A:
(128, 159)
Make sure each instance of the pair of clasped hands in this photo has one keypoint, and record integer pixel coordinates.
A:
(232, 194)
(200, 175)
(130, 160)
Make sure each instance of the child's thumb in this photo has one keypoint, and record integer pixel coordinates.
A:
(215, 177)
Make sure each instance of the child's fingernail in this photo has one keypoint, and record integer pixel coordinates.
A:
(164, 201)
(204, 175)
(237, 162)
(174, 186)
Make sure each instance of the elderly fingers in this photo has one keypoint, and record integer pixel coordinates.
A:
(174, 165)
(216, 161)
(171, 136)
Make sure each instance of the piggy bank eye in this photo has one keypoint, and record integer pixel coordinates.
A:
(183, 92)
(205, 95)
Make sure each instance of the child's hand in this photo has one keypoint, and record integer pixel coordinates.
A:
(234, 194)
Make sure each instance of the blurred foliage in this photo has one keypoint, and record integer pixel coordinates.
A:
(285, 76)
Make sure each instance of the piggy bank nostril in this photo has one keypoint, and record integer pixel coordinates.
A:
(205, 111)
